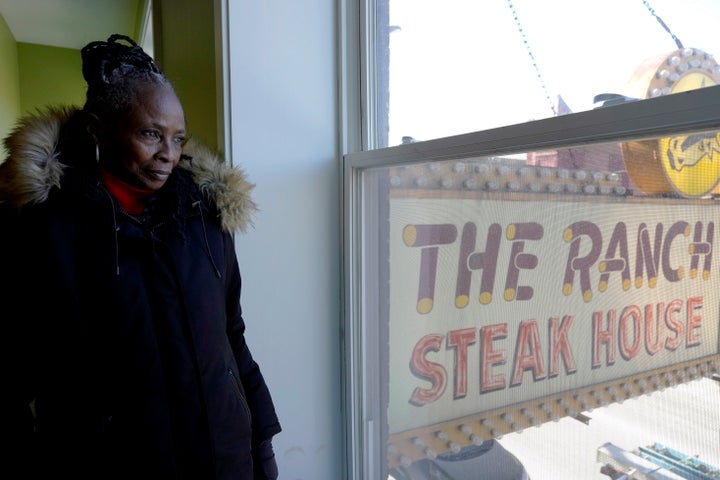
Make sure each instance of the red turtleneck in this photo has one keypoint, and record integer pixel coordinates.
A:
(131, 199)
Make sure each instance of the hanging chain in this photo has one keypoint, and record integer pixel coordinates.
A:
(532, 57)
(650, 9)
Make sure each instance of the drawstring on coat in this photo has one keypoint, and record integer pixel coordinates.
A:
(115, 232)
(197, 204)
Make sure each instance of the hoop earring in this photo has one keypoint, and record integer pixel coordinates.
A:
(97, 153)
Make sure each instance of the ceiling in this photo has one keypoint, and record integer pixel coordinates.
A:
(69, 23)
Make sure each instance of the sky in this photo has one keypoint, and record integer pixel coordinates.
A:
(465, 65)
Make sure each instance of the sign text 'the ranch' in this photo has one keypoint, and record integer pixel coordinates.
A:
(652, 257)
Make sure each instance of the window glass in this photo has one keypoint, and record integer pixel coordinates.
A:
(456, 66)
(548, 313)
(522, 303)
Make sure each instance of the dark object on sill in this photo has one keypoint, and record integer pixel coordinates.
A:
(609, 99)
(582, 418)
(486, 461)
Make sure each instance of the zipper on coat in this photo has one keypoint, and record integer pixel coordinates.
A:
(115, 230)
(196, 204)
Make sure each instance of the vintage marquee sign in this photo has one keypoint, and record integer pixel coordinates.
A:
(502, 301)
(518, 296)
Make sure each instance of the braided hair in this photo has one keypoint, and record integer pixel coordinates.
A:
(113, 70)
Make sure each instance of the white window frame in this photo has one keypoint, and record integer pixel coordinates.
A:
(673, 114)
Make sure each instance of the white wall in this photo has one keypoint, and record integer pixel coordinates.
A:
(283, 113)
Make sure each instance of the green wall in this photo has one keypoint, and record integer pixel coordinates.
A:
(35, 76)
(9, 83)
(185, 50)
(49, 76)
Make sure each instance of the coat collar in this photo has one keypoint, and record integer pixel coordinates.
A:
(34, 167)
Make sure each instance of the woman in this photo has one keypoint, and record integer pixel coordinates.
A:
(124, 340)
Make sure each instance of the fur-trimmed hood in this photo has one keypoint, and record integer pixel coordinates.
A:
(33, 168)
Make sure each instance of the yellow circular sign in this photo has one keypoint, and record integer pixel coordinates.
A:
(692, 162)
(688, 165)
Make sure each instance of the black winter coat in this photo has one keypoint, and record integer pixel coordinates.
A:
(123, 349)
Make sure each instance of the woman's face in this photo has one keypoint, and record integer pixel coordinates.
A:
(146, 143)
